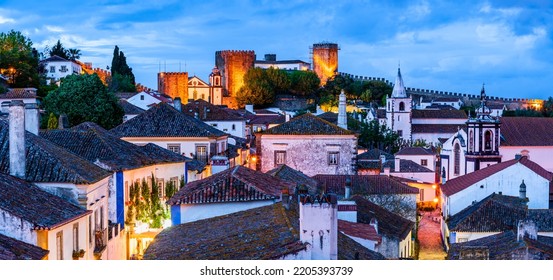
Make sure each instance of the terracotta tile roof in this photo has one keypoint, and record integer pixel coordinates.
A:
(439, 114)
(307, 124)
(162, 120)
(54, 58)
(19, 93)
(543, 219)
(526, 131)
(389, 224)
(48, 162)
(129, 108)
(262, 233)
(329, 117)
(361, 230)
(364, 184)
(209, 112)
(125, 95)
(458, 184)
(414, 151)
(436, 128)
(349, 249)
(93, 143)
(494, 213)
(286, 173)
(235, 184)
(13, 249)
(440, 107)
(40, 208)
(375, 154)
(504, 246)
(267, 119)
(447, 99)
(405, 165)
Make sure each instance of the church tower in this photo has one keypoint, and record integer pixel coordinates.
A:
(216, 88)
(483, 133)
(398, 109)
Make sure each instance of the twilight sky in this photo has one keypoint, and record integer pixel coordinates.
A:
(451, 46)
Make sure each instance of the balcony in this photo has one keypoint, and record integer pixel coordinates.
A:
(100, 243)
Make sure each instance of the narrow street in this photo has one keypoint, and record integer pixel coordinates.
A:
(431, 247)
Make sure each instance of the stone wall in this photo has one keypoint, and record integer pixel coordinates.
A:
(233, 65)
(174, 84)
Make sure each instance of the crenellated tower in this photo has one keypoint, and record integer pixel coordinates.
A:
(174, 84)
(325, 60)
(233, 65)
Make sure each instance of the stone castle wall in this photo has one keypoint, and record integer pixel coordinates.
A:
(174, 84)
(325, 60)
(233, 65)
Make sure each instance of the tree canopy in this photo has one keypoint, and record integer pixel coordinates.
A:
(18, 60)
(85, 98)
(122, 77)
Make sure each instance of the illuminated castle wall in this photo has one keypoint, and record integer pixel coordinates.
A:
(325, 60)
(233, 66)
(174, 84)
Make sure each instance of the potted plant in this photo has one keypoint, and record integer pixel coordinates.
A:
(78, 254)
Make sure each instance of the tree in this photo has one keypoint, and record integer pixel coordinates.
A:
(304, 83)
(122, 78)
(85, 98)
(257, 89)
(59, 50)
(278, 80)
(19, 60)
(74, 54)
(52, 121)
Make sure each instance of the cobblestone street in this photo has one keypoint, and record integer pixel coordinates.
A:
(431, 247)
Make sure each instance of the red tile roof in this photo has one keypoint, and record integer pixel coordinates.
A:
(436, 128)
(235, 184)
(364, 184)
(439, 114)
(526, 131)
(413, 151)
(307, 124)
(458, 184)
(19, 93)
(209, 112)
(361, 230)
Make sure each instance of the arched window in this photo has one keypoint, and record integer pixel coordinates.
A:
(488, 140)
(401, 106)
(471, 141)
(457, 159)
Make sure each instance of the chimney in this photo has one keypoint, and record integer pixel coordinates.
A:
(527, 228)
(396, 165)
(62, 121)
(342, 117)
(319, 225)
(522, 190)
(382, 159)
(32, 118)
(249, 108)
(287, 116)
(17, 138)
(285, 197)
(347, 210)
(348, 188)
(177, 104)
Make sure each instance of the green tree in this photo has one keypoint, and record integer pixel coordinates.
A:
(304, 83)
(119, 66)
(59, 50)
(85, 98)
(74, 54)
(52, 121)
(145, 202)
(278, 80)
(19, 60)
(170, 189)
(257, 89)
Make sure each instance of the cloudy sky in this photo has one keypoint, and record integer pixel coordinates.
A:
(451, 46)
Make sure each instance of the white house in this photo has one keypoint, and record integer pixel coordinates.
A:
(57, 67)
(217, 117)
(130, 110)
(171, 129)
(146, 100)
(27, 95)
(308, 144)
(504, 178)
(270, 61)
(56, 228)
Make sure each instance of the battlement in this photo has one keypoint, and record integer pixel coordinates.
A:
(174, 73)
(363, 78)
(326, 45)
(233, 52)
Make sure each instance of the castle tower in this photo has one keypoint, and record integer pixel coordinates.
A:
(233, 65)
(398, 109)
(325, 60)
(342, 116)
(174, 84)
(483, 133)
(216, 88)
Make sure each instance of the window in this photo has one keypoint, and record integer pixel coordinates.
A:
(488, 140)
(333, 158)
(471, 141)
(201, 153)
(400, 133)
(421, 193)
(63, 69)
(90, 229)
(398, 118)
(161, 189)
(233, 127)
(175, 148)
(462, 240)
(52, 69)
(102, 218)
(141, 97)
(401, 106)
(59, 245)
(280, 157)
(76, 237)
(457, 159)
(214, 125)
(424, 162)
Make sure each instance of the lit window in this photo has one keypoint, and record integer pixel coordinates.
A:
(333, 158)
(280, 157)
